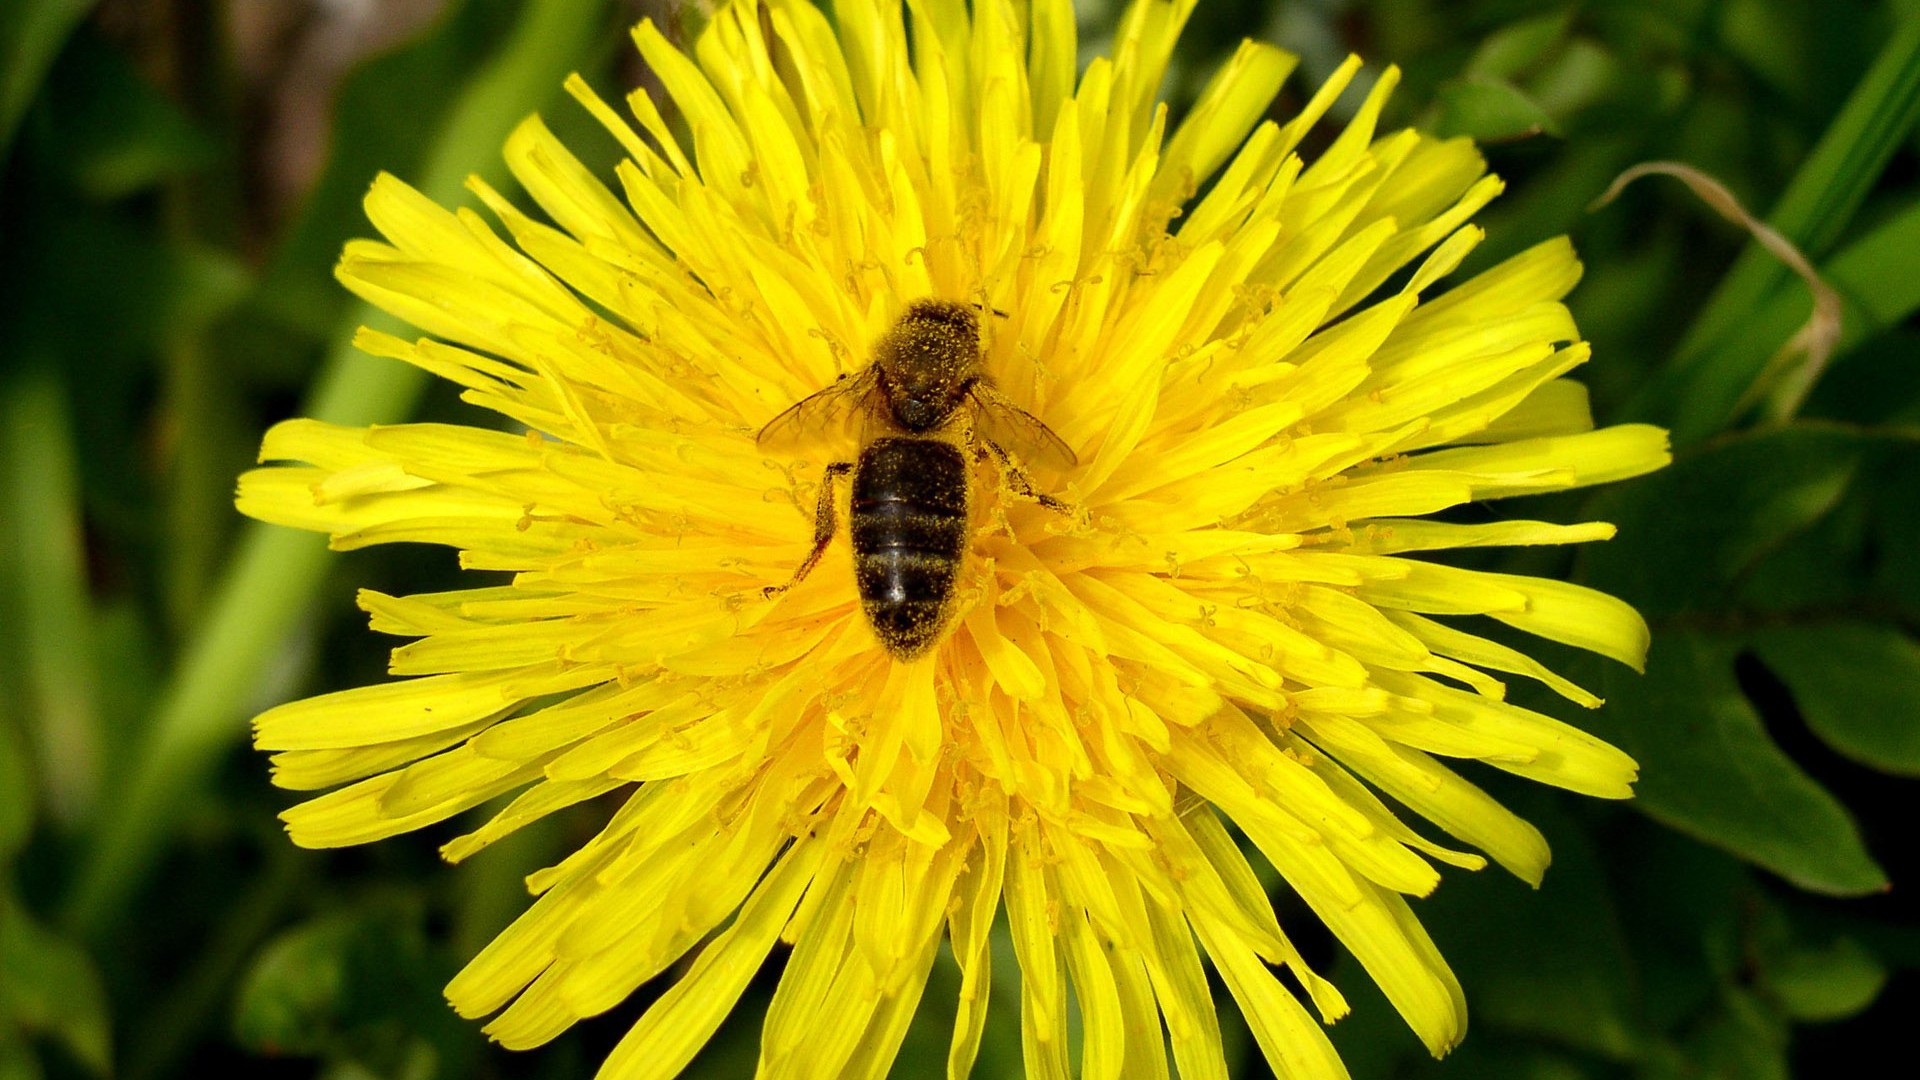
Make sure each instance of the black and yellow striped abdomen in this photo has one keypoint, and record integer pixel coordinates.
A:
(909, 531)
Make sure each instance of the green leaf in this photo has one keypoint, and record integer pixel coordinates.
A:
(1481, 1058)
(1584, 74)
(1742, 1040)
(1683, 906)
(1824, 984)
(1581, 992)
(357, 982)
(1489, 110)
(16, 792)
(17, 1059)
(291, 999)
(1857, 685)
(1510, 51)
(1876, 384)
(1690, 532)
(117, 132)
(1896, 521)
(1878, 275)
(1770, 39)
(99, 285)
(51, 988)
(1689, 536)
(30, 37)
(1709, 769)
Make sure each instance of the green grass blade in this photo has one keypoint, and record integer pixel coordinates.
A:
(1828, 189)
(1878, 278)
(1818, 204)
(54, 620)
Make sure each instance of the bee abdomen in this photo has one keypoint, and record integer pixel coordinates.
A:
(909, 530)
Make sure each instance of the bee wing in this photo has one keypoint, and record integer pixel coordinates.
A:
(1017, 431)
(832, 414)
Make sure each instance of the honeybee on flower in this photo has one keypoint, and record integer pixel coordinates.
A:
(1245, 388)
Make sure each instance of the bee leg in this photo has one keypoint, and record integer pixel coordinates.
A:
(1021, 483)
(824, 526)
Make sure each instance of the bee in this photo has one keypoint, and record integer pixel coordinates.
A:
(911, 502)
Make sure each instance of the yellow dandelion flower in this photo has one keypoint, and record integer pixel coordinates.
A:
(1208, 610)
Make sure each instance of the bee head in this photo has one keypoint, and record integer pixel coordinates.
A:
(956, 317)
(929, 359)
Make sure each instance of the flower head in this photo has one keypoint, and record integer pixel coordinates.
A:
(1214, 607)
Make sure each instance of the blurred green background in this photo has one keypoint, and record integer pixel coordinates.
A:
(179, 176)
